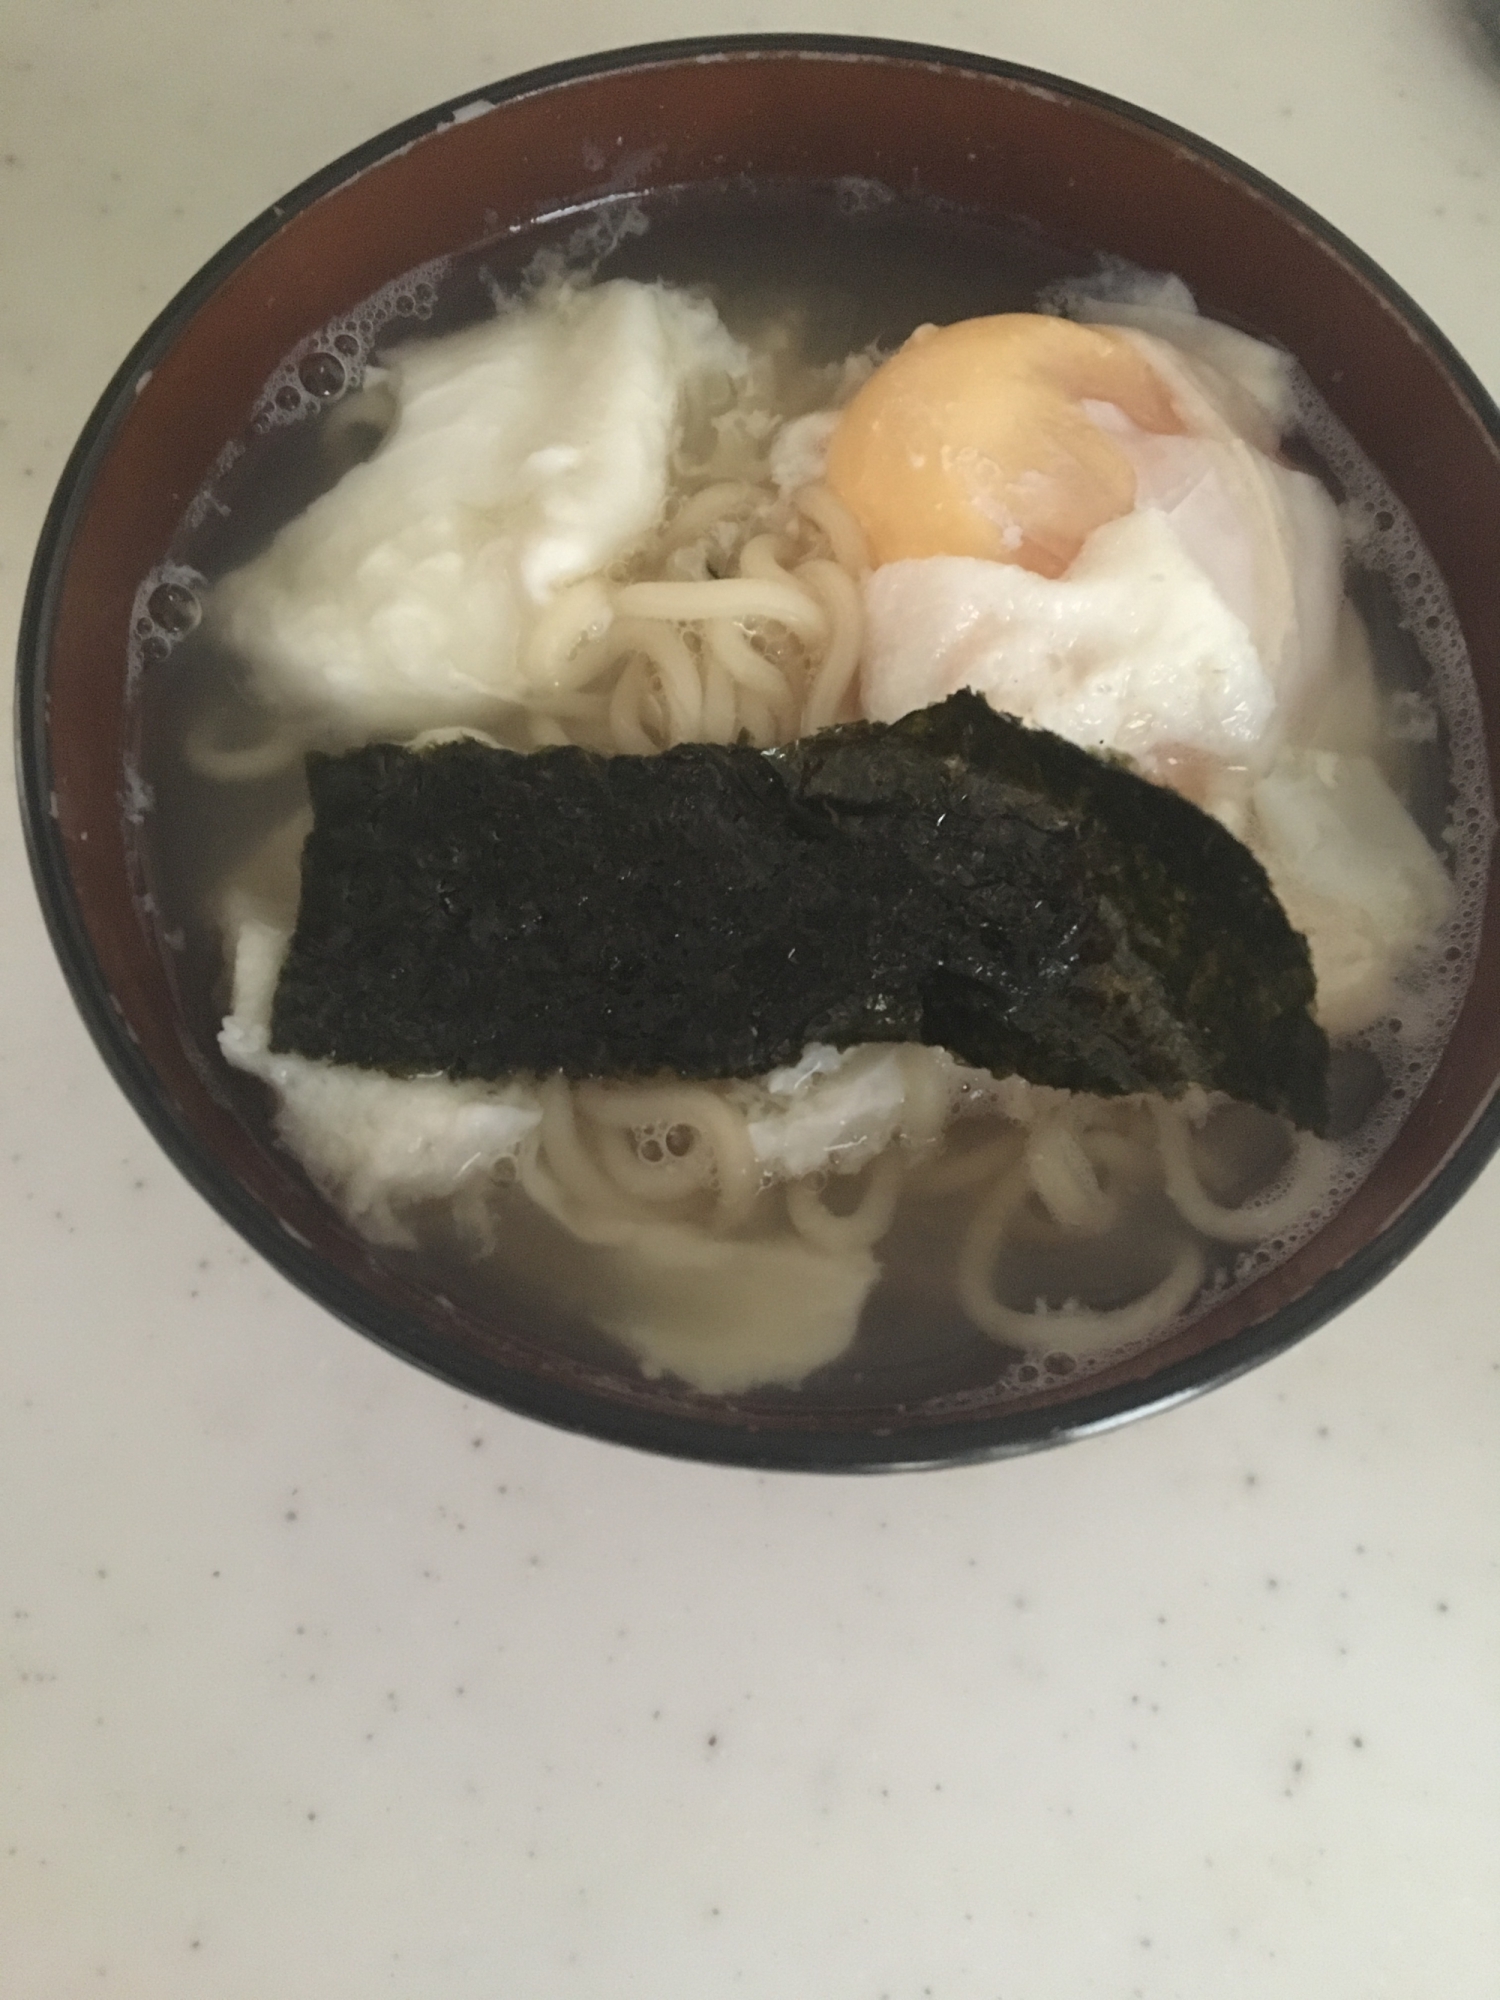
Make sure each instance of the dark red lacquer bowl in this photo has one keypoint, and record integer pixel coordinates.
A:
(964, 134)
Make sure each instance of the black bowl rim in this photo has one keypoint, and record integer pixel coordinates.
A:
(994, 1433)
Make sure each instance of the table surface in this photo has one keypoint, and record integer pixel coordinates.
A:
(318, 1680)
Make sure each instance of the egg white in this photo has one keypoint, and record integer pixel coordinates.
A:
(527, 453)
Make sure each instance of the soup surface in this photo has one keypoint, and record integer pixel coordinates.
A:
(1181, 558)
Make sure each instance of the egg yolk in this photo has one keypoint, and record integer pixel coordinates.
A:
(974, 440)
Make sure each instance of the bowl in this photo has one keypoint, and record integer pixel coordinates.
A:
(734, 128)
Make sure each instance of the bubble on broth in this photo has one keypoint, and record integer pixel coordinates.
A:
(855, 194)
(166, 609)
(332, 362)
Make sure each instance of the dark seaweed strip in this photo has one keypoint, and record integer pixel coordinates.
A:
(953, 878)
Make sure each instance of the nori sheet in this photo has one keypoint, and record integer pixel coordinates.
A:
(954, 878)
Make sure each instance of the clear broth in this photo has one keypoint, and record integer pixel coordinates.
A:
(855, 265)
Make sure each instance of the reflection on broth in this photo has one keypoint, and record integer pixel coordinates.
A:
(664, 481)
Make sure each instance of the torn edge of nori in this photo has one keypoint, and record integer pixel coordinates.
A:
(954, 878)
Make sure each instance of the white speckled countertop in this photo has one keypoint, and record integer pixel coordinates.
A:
(318, 1681)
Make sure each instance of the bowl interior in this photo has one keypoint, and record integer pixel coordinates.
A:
(821, 155)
